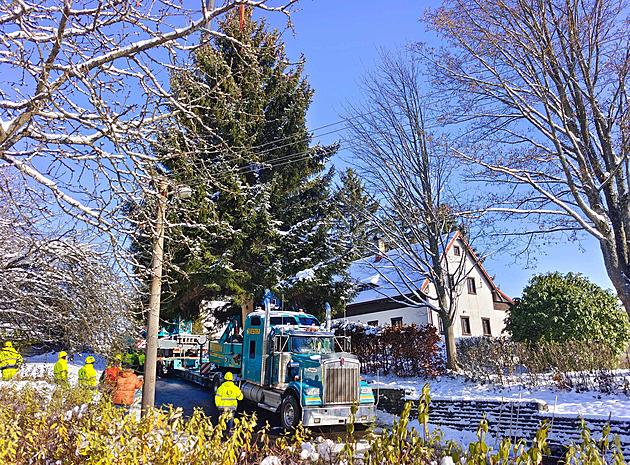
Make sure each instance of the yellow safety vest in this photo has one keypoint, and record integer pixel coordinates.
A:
(10, 361)
(60, 372)
(87, 376)
(227, 396)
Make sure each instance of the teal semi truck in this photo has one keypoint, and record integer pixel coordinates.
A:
(288, 364)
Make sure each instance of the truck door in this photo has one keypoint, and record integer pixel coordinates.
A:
(252, 350)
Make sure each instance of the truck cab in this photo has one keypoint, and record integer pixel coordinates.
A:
(290, 365)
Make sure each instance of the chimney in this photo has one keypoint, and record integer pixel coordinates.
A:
(380, 245)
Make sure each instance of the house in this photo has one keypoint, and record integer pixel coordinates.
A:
(394, 288)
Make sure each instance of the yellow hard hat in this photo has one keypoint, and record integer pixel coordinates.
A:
(228, 376)
(90, 359)
(62, 354)
(8, 344)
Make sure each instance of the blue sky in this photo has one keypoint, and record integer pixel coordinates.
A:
(339, 39)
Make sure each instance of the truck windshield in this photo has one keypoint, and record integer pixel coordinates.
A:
(311, 345)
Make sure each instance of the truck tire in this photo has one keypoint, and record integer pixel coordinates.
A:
(290, 413)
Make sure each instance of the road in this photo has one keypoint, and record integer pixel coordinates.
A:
(188, 395)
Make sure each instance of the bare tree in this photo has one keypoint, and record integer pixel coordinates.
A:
(405, 163)
(544, 85)
(57, 288)
(85, 86)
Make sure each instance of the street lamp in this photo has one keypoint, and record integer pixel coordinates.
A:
(153, 318)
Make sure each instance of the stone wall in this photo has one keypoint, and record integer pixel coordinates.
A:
(507, 418)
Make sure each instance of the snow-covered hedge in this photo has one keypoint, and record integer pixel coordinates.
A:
(575, 365)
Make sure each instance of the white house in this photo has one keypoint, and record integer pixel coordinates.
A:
(392, 283)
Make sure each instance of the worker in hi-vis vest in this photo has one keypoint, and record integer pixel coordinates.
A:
(60, 370)
(226, 399)
(10, 361)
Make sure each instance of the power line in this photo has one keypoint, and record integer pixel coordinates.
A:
(302, 139)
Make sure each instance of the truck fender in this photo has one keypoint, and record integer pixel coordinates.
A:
(291, 391)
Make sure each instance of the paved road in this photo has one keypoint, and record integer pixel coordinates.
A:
(185, 395)
(188, 395)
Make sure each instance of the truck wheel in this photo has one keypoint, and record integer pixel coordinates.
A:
(290, 413)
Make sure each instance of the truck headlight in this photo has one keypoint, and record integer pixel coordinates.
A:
(366, 390)
(312, 391)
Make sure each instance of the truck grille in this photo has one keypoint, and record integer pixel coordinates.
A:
(341, 383)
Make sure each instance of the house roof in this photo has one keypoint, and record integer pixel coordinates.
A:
(397, 272)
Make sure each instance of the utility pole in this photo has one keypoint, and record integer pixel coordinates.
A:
(206, 32)
(153, 318)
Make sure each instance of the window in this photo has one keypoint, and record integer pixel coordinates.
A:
(373, 323)
(485, 324)
(397, 321)
(456, 250)
(252, 349)
(255, 321)
(472, 288)
(308, 321)
(465, 326)
(441, 324)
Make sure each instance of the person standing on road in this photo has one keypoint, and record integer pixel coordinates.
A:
(60, 371)
(10, 361)
(226, 399)
(87, 376)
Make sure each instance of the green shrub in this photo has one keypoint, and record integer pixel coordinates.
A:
(561, 308)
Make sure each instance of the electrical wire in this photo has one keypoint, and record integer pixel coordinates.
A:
(285, 159)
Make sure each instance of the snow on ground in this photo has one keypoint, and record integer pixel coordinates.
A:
(561, 402)
(587, 404)
(41, 366)
(44, 364)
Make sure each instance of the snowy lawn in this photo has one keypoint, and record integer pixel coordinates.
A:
(586, 403)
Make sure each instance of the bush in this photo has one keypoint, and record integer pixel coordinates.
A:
(405, 351)
(576, 365)
(59, 431)
(563, 308)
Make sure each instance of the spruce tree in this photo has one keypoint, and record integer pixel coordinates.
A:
(261, 195)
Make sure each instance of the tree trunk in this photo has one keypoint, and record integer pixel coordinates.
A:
(449, 343)
(618, 274)
(246, 308)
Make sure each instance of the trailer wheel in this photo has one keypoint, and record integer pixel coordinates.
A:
(162, 372)
(216, 382)
(290, 413)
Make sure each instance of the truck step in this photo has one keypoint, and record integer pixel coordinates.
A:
(267, 407)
